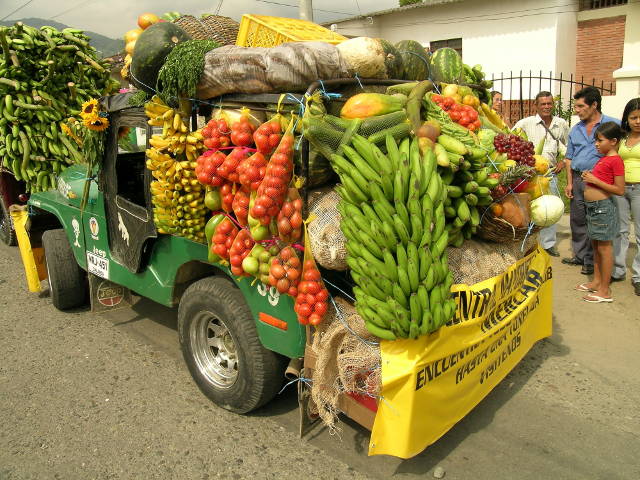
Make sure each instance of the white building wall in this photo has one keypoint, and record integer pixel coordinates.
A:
(503, 36)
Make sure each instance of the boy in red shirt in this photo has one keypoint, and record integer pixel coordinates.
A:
(606, 179)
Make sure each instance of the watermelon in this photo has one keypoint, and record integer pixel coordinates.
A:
(415, 60)
(151, 50)
(446, 66)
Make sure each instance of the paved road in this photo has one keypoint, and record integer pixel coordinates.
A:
(108, 396)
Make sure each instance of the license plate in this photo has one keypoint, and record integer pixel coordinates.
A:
(97, 265)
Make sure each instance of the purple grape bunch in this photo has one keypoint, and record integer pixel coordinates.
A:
(516, 148)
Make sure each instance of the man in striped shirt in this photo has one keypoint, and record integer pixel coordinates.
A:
(554, 131)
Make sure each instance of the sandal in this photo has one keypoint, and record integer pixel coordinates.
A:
(597, 299)
(583, 288)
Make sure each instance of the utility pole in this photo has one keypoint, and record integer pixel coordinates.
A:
(306, 10)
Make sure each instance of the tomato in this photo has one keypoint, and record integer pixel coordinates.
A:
(258, 211)
(313, 275)
(292, 292)
(464, 120)
(286, 254)
(235, 260)
(218, 238)
(315, 319)
(320, 308)
(287, 209)
(473, 115)
(313, 287)
(455, 115)
(448, 102)
(283, 285)
(436, 98)
(309, 264)
(302, 287)
(322, 295)
(305, 310)
(293, 274)
(294, 262)
(284, 227)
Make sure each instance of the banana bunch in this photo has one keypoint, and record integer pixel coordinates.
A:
(45, 76)
(493, 117)
(392, 208)
(176, 194)
(468, 182)
(175, 136)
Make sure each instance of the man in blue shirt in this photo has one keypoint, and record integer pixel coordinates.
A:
(582, 155)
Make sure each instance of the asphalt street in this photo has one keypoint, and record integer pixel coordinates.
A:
(104, 396)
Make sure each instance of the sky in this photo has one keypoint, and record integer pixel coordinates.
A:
(114, 17)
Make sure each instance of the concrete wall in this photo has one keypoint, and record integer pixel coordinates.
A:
(503, 36)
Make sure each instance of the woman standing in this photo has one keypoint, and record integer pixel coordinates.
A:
(629, 203)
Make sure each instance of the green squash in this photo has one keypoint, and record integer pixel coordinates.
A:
(392, 59)
(151, 50)
(415, 60)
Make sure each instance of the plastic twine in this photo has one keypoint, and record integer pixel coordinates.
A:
(306, 381)
(345, 324)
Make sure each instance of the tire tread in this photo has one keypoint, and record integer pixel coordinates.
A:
(67, 279)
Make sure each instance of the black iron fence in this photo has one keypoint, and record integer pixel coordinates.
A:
(519, 91)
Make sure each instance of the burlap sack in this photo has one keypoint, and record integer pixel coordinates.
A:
(477, 260)
(348, 360)
(327, 240)
(290, 67)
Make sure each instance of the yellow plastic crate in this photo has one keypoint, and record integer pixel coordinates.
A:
(265, 31)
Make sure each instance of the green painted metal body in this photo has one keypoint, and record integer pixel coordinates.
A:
(157, 280)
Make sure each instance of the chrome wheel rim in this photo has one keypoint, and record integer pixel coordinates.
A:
(214, 350)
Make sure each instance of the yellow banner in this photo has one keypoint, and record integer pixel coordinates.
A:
(431, 383)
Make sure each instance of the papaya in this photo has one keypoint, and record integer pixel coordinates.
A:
(365, 105)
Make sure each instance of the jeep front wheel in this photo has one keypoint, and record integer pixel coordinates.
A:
(221, 347)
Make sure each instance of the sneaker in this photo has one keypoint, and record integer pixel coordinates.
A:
(553, 251)
(572, 261)
(587, 270)
(618, 279)
(636, 288)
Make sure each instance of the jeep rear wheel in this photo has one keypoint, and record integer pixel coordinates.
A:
(221, 347)
(67, 281)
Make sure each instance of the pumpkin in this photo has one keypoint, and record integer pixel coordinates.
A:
(515, 209)
(151, 50)
(371, 57)
(415, 60)
(546, 210)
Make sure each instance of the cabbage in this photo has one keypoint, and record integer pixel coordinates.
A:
(486, 136)
(546, 210)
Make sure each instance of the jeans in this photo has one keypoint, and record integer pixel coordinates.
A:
(628, 206)
(547, 235)
(580, 241)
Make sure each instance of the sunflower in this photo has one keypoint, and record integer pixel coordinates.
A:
(69, 133)
(89, 108)
(96, 123)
